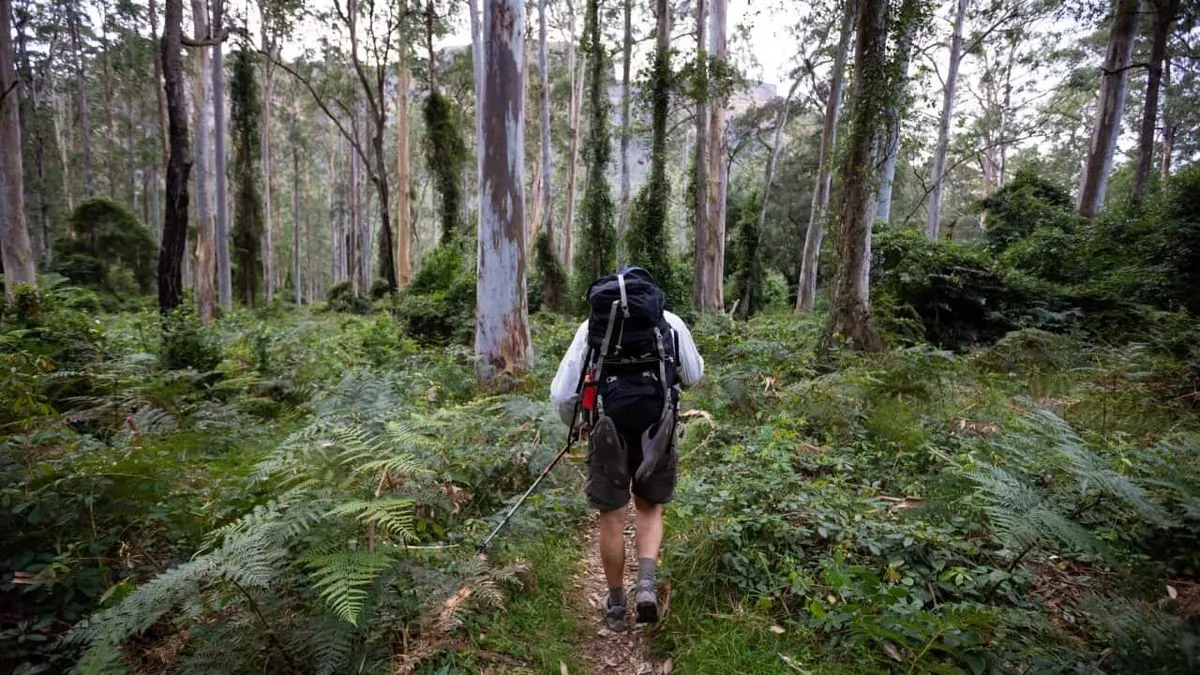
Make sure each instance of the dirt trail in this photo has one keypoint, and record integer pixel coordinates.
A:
(603, 651)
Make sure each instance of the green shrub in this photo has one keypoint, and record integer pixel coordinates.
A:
(548, 284)
(340, 298)
(1048, 253)
(1177, 247)
(109, 250)
(380, 289)
(1025, 204)
(186, 343)
(439, 305)
(961, 295)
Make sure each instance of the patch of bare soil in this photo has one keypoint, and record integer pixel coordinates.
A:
(602, 650)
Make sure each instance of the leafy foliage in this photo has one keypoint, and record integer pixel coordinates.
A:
(446, 155)
(109, 250)
(960, 295)
(1024, 205)
(439, 306)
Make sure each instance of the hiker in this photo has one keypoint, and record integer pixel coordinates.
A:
(626, 368)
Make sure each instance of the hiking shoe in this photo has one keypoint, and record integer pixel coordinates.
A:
(646, 601)
(614, 616)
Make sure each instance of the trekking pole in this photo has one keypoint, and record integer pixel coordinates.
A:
(481, 549)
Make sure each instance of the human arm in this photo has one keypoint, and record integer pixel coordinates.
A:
(691, 364)
(563, 388)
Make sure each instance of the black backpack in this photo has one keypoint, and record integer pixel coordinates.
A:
(632, 353)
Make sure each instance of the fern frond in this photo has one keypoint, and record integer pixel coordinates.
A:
(393, 516)
(341, 579)
(332, 641)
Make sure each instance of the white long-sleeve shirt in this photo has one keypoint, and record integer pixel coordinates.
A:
(562, 389)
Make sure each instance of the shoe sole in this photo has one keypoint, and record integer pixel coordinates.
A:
(647, 612)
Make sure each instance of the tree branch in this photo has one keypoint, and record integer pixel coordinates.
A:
(351, 138)
(11, 87)
(206, 42)
(970, 156)
(1122, 69)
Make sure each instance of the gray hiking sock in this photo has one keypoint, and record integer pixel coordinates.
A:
(646, 569)
(616, 597)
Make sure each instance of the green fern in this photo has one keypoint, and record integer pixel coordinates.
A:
(245, 561)
(341, 578)
(1042, 478)
(393, 516)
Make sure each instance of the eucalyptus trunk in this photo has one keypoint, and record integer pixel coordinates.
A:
(297, 284)
(403, 174)
(575, 75)
(849, 319)
(85, 125)
(159, 89)
(1168, 131)
(221, 164)
(712, 293)
(204, 156)
(268, 98)
(933, 223)
(623, 220)
(502, 339)
(815, 235)
(17, 252)
(896, 105)
(179, 164)
(547, 148)
(1109, 109)
(1165, 17)
(702, 161)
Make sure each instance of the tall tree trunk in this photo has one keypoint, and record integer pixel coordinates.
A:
(387, 251)
(702, 160)
(85, 127)
(157, 214)
(203, 155)
(815, 234)
(31, 90)
(1166, 11)
(62, 138)
(849, 318)
(310, 289)
(430, 15)
(355, 216)
(130, 158)
(934, 223)
(224, 268)
(547, 148)
(713, 292)
(15, 248)
(403, 174)
(1168, 132)
(623, 222)
(297, 283)
(502, 340)
(1109, 108)
(574, 104)
(110, 138)
(268, 220)
(170, 255)
(895, 109)
(159, 88)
